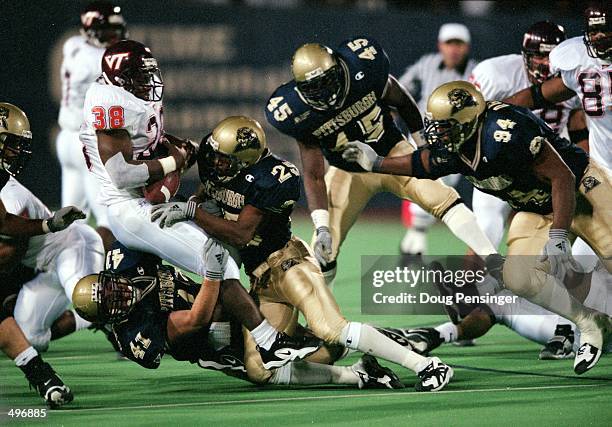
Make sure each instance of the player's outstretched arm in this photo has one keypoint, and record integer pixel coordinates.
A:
(116, 153)
(397, 96)
(537, 96)
(15, 225)
(313, 166)
(415, 164)
(184, 322)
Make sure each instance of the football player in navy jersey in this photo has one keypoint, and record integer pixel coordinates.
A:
(15, 151)
(143, 301)
(256, 192)
(345, 95)
(508, 152)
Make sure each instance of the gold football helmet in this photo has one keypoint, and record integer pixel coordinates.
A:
(105, 297)
(319, 77)
(453, 113)
(235, 143)
(15, 138)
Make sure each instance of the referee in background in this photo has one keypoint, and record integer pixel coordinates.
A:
(450, 63)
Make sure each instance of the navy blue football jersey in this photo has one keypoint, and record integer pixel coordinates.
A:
(142, 336)
(502, 155)
(361, 117)
(272, 185)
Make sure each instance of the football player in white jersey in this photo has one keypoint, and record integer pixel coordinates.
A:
(61, 259)
(501, 76)
(585, 67)
(101, 25)
(559, 335)
(15, 151)
(123, 134)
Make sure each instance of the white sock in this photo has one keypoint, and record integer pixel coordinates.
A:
(219, 334)
(462, 223)
(25, 356)
(79, 322)
(448, 331)
(264, 335)
(367, 339)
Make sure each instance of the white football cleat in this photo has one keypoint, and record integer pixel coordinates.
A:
(433, 375)
(414, 242)
(593, 333)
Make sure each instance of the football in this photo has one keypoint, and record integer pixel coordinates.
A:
(162, 190)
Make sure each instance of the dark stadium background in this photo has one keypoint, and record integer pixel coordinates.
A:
(219, 60)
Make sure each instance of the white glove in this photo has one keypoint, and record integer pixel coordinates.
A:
(323, 246)
(62, 219)
(362, 154)
(215, 257)
(558, 252)
(169, 214)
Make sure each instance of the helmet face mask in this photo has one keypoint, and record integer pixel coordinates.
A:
(102, 24)
(539, 40)
(454, 112)
(598, 33)
(236, 143)
(324, 91)
(130, 65)
(15, 139)
(116, 296)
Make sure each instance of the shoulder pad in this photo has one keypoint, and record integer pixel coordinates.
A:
(285, 108)
(568, 55)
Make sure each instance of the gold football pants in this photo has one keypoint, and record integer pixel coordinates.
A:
(349, 192)
(289, 282)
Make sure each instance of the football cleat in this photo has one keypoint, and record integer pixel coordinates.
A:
(593, 336)
(561, 346)
(372, 375)
(423, 340)
(414, 242)
(434, 375)
(396, 334)
(287, 349)
(224, 359)
(50, 386)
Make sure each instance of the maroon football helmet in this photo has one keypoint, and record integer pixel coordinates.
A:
(598, 32)
(538, 41)
(102, 23)
(130, 65)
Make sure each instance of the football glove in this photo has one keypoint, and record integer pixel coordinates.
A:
(215, 257)
(494, 264)
(323, 246)
(169, 214)
(62, 219)
(363, 155)
(558, 252)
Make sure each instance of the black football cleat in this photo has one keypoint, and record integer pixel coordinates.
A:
(287, 349)
(224, 359)
(396, 334)
(423, 340)
(50, 386)
(434, 376)
(372, 375)
(561, 346)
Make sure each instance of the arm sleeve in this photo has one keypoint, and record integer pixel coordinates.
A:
(440, 163)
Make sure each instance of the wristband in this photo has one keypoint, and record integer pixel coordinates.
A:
(578, 135)
(557, 233)
(190, 209)
(377, 163)
(168, 164)
(538, 98)
(45, 226)
(320, 218)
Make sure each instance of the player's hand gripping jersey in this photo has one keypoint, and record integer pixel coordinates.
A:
(361, 117)
(591, 79)
(109, 107)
